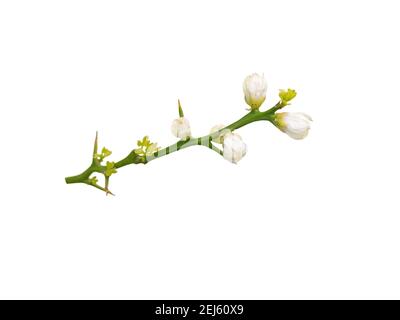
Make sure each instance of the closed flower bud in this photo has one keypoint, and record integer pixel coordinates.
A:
(294, 124)
(234, 147)
(287, 95)
(180, 128)
(218, 138)
(255, 89)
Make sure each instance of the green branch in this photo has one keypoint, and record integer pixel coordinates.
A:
(134, 158)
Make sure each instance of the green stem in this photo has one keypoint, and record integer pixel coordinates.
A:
(133, 158)
(84, 176)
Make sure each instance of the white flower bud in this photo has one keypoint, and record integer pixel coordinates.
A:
(234, 147)
(181, 128)
(295, 124)
(220, 137)
(255, 89)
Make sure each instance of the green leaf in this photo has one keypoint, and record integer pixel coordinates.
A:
(146, 147)
(93, 181)
(110, 169)
(105, 152)
(146, 141)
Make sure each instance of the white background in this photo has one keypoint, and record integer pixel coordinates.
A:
(317, 218)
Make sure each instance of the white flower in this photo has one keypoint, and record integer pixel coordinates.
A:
(220, 137)
(255, 89)
(181, 128)
(234, 147)
(295, 124)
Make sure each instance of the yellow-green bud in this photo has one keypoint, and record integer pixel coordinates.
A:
(287, 95)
